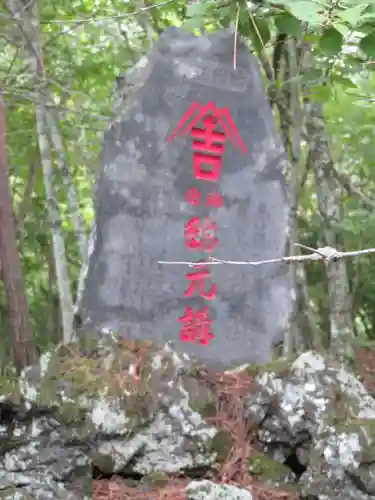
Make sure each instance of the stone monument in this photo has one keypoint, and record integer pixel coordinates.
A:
(191, 168)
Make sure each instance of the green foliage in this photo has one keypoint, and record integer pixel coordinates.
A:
(352, 15)
(258, 32)
(320, 93)
(331, 41)
(287, 23)
(307, 12)
(367, 45)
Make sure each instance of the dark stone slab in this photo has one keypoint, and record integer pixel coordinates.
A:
(141, 205)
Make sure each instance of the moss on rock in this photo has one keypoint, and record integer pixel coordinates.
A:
(269, 471)
(73, 377)
(222, 444)
(281, 367)
(155, 480)
(9, 388)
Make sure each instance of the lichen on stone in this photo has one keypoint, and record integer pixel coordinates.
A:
(207, 490)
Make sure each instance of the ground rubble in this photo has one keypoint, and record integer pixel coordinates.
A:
(317, 417)
(147, 415)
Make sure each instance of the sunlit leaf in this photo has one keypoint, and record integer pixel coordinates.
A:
(197, 9)
(308, 12)
(341, 28)
(311, 38)
(352, 15)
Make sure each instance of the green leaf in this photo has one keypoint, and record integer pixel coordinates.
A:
(353, 15)
(311, 38)
(320, 93)
(331, 41)
(345, 82)
(225, 16)
(361, 2)
(367, 44)
(260, 34)
(193, 23)
(197, 15)
(198, 9)
(286, 23)
(368, 17)
(308, 12)
(244, 21)
(366, 26)
(224, 11)
(312, 75)
(354, 62)
(341, 28)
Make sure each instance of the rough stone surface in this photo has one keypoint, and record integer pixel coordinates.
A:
(71, 413)
(141, 208)
(206, 490)
(319, 412)
(82, 407)
(41, 458)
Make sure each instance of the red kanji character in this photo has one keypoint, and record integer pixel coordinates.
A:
(197, 279)
(214, 162)
(206, 152)
(214, 200)
(193, 196)
(196, 326)
(197, 112)
(200, 235)
(209, 136)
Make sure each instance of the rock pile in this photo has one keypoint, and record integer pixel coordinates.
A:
(146, 415)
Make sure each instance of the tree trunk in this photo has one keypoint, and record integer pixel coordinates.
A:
(62, 165)
(26, 18)
(24, 349)
(303, 332)
(61, 266)
(329, 204)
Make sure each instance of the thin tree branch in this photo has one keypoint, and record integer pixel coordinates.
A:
(326, 254)
(352, 190)
(98, 18)
(235, 42)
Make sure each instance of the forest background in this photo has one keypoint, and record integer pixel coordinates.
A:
(58, 66)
